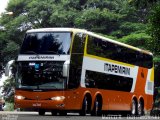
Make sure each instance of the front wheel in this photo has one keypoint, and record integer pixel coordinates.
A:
(85, 107)
(62, 113)
(54, 112)
(41, 112)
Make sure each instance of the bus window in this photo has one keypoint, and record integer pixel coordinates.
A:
(108, 81)
(109, 50)
(46, 43)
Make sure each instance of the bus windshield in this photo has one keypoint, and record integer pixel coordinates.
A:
(46, 43)
(40, 75)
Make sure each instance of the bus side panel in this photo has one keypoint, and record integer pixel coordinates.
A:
(74, 99)
(149, 104)
(118, 100)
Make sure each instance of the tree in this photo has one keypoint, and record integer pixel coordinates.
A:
(102, 21)
(154, 31)
(154, 28)
(143, 3)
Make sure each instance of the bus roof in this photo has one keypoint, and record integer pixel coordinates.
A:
(55, 29)
(89, 33)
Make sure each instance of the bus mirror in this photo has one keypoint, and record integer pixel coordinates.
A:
(8, 68)
(66, 68)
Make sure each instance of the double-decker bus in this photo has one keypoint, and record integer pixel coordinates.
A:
(68, 69)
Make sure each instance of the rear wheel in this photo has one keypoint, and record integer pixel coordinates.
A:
(134, 108)
(41, 112)
(97, 110)
(140, 108)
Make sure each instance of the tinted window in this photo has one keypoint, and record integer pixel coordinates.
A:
(108, 81)
(46, 43)
(40, 75)
(76, 60)
(116, 52)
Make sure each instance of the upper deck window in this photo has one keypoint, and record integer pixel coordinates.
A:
(46, 43)
(106, 49)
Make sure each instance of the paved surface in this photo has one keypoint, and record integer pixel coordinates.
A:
(4, 115)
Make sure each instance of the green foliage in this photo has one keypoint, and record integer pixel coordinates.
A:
(155, 28)
(103, 21)
(142, 3)
(11, 49)
(3, 43)
(8, 90)
(132, 27)
(9, 106)
(141, 40)
(156, 59)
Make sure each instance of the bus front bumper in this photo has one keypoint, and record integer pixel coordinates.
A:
(41, 104)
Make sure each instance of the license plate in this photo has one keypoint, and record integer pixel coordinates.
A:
(36, 105)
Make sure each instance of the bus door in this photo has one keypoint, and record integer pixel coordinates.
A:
(76, 69)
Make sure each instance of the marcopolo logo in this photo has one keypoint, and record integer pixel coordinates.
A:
(116, 69)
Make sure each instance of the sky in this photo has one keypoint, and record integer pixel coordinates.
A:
(3, 5)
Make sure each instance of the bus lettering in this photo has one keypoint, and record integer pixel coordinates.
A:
(41, 57)
(116, 69)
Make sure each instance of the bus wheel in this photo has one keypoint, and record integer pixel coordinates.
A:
(134, 108)
(41, 112)
(54, 112)
(84, 110)
(97, 109)
(140, 108)
(62, 113)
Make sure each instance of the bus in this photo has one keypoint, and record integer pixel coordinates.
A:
(68, 69)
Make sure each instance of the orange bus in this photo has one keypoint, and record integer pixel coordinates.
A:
(68, 69)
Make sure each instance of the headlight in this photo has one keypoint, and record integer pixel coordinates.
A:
(19, 97)
(58, 98)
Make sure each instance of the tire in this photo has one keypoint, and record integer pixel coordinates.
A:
(134, 108)
(63, 113)
(41, 112)
(140, 108)
(85, 107)
(97, 109)
(54, 113)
